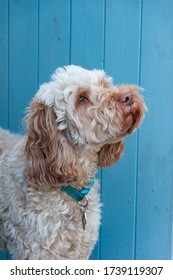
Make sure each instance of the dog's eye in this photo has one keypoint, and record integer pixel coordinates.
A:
(83, 98)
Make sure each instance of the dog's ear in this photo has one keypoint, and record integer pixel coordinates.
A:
(110, 153)
(50, 160)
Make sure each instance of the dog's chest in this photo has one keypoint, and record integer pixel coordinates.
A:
(60, 225)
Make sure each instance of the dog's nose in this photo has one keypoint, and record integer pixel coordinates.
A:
(126, 99)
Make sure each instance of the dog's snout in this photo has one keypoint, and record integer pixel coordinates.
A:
(126, 99)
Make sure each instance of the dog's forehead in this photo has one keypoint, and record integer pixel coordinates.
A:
(77, 76)
(70, 79)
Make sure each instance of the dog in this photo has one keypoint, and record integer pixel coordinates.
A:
(49, 197)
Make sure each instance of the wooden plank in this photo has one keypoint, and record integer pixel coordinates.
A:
(4, 63)
(87, 45)
(87, 33)
(156, 141)
(54, 36)
(22, 58)
(122, 39)
(3, 255)
(122, 55)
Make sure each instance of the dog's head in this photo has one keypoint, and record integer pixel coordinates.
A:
(78, 108)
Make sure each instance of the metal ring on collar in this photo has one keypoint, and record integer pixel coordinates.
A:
(85, 200)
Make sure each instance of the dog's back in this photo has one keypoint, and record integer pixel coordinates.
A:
(7, 141)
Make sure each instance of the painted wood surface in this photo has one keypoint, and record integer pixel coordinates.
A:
(133, 42)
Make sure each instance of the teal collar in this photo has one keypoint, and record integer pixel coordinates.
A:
(78, 194)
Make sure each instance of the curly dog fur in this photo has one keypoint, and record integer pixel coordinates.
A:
(75, 124)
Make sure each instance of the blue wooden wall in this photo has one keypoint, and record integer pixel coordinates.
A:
(133, 41)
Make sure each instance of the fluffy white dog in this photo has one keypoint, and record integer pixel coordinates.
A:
(49, 198)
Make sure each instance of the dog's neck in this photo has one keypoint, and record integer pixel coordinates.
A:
(87, 157)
